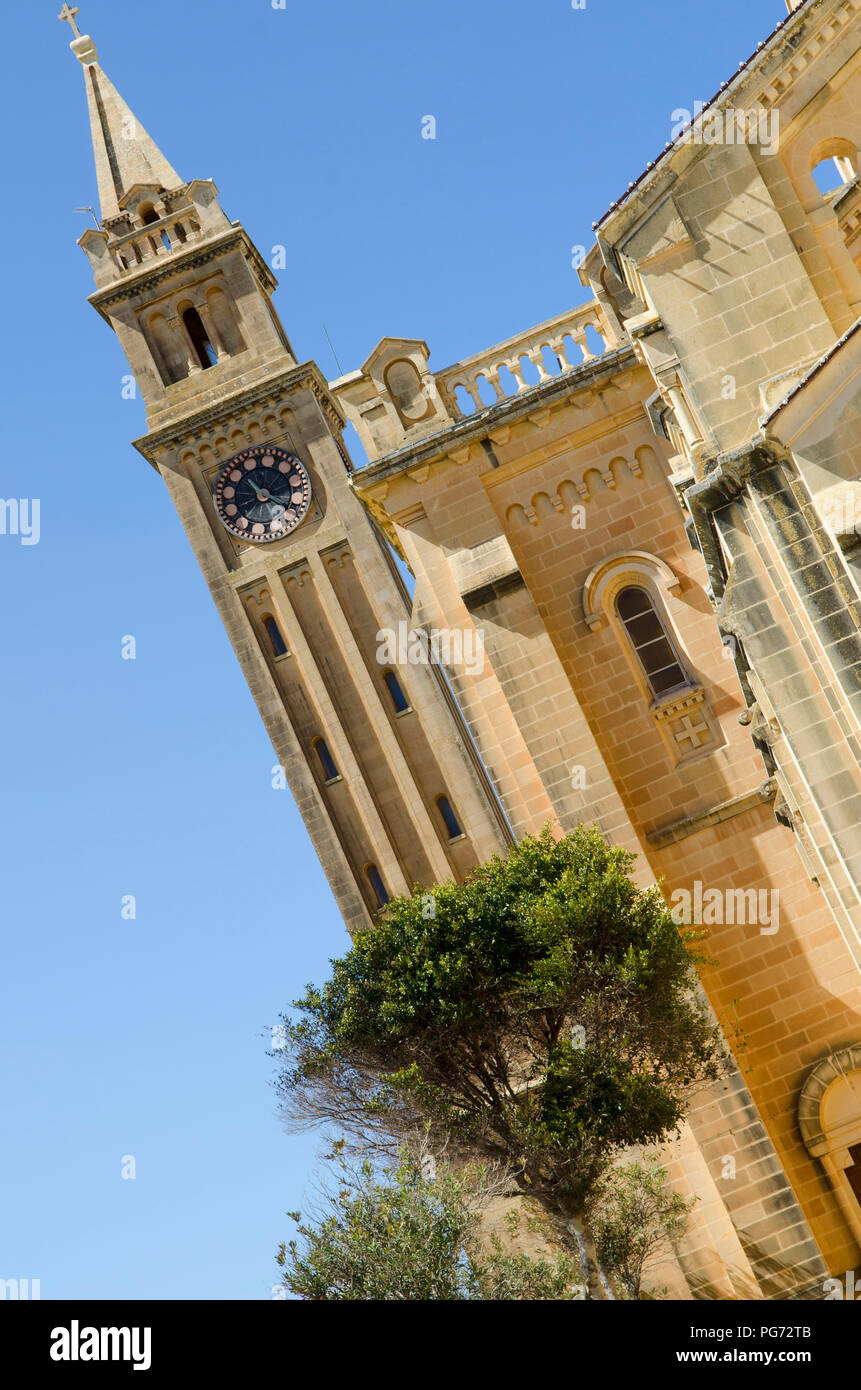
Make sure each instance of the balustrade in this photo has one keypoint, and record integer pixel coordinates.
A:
(503, 369)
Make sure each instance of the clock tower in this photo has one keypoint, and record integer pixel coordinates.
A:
(248, 440)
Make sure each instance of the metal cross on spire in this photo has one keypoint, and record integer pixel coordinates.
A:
(69, 13)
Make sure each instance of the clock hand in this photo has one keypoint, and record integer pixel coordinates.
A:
(264, 495)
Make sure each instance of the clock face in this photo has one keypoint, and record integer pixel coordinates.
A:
(262, 494)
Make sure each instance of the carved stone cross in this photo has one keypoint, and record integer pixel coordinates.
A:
(69, 14)
(687, 729)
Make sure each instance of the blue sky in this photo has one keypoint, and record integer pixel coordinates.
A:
(152, 777)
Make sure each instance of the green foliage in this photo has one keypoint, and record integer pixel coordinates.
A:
(470, 1021)
(395, 1236)
(633, 1218)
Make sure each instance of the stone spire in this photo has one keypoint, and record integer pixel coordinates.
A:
(125, 154)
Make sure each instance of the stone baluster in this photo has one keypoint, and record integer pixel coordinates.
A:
(491, 375)
(515, 366)
(581, 341)
(536, 357)
(557, 346)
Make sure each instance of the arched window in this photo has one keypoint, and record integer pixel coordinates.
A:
(650, 641)
(829, 1117)
(378, 888)
(327, 762)
(833, 163)
(452, 824)
(831, 174)
(148, 214)
(206, 353)
(399, 699)
(279, 646)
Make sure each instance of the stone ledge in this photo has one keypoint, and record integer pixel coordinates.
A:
(691, 825)
(491, 592)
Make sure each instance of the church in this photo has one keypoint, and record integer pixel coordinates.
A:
(634, 536)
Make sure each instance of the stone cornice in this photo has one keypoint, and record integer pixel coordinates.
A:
(781, 50)
(306, 375)
(198, 254)
(505, 412)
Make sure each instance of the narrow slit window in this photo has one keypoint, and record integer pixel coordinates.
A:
(378, 888)
(452, 824)
(327, 762)
(279, 646)
(399, 699)
(206, 353)
(648, 637)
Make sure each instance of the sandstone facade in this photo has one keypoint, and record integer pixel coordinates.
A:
(633, 532)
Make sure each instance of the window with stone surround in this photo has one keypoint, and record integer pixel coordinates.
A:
(276, 639)
(450, 820)
(327, 762)
(378, 888)
(395, 689)
(833, 164)
(829, 1117)
(633, 594)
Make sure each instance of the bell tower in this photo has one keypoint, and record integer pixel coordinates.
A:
(249, 443)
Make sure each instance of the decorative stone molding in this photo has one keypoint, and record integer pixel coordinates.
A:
(257, 399)
(687, 724)
(838, 1064)
(626, 566)
(829, 1118)
(683, 717)
(818, 40)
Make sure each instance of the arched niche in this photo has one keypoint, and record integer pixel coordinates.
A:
(404, 384)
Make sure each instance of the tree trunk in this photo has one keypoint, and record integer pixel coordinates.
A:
(597, 1284)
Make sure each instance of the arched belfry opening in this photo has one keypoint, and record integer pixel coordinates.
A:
(206, 354)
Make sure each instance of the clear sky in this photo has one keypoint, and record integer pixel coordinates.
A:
(152, 777)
